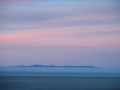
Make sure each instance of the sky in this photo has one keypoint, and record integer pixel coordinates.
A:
(60, 32)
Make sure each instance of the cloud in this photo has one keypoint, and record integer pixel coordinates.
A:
(49, 14)
(77, 36)
(74, 32)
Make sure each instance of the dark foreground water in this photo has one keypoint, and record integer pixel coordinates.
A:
(59, 78)
(58, 81)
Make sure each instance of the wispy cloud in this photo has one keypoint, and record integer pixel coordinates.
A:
(29, 27)
(80, 36)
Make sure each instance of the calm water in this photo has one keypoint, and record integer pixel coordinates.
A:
(61, 69)
(57, 78)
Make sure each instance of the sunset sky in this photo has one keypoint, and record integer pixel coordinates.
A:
(60, 32)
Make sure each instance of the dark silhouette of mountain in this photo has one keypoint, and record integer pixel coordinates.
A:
(37, 65)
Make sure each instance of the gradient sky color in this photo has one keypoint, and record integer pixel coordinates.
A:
(60, 32)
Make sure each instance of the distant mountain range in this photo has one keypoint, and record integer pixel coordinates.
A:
(37, 65)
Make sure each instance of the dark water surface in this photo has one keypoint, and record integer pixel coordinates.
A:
(60, 82)
(59, 78)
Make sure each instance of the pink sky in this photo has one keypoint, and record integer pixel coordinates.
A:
(60, 32)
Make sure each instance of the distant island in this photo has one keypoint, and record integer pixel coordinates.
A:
(37, 65)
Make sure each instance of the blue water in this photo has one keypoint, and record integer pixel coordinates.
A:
(59, 78)
(61, 69)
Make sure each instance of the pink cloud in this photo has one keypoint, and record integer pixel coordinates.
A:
(58, 38)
